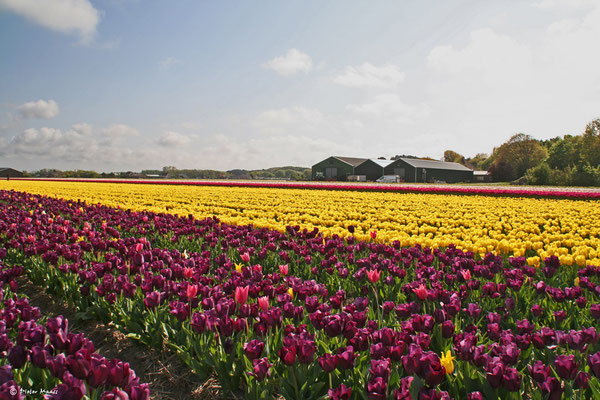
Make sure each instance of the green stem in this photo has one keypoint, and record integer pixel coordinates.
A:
(295, 382)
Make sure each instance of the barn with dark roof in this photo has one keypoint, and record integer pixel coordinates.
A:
(6, 172)
(336, 168)
(408, 169)
(419, 170)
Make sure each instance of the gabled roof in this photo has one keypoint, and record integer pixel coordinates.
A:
(381, 163)
(433, 164)
(351, 160)
(3, 168)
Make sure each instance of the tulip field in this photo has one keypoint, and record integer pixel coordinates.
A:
(302, 293)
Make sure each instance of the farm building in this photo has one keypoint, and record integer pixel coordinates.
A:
(482, 176)
(408, 169)
(10, 173)
(418, 170)
(336, 168)
(372, 169)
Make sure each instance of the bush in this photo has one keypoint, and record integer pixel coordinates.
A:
(539, 175)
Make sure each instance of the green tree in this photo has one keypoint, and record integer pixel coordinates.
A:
(590, 146)
(520, 153)
(564, 152)
(452, 156)
(539, 175)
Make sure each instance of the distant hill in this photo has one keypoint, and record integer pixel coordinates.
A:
(287, 172)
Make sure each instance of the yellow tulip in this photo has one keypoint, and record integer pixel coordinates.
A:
(447, 361)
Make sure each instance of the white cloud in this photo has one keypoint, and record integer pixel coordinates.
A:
(65, 16)
(82, 129)
(173, 139)
(545, 83)
(391, 107)
(496, 59)
(39, 109)
(291, 63)
(166, 63)
(368, 75)
(80, 146)
(120, 131)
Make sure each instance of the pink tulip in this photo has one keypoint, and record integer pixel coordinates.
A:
(421, 292)
(263, 303)
(245, 257)
(241, 294)
(373, 275)
(191, 291)
(466, 274)
(284, 269)
(373, 234)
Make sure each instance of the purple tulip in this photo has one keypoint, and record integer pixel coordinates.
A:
(510, 354)
(377, 388)
(99, 371)
(253, 349)
(582, 380)
(536, 310)
(447, 329)
(287, 355)
(198, 322)
(560, 315)
(475, 396)
(380, 368)
(305, 350)
(328, 362)
(551, 387)
(494, 373)
(10, 390)
(54, 325)
(431, 369)
(261, 368)
(340, 393)
(153, 299)
(115, 394)
(594, 364)
(79, 364)
(539, 371)
(6, 374)
(566, 366)
(139, 392)
(17, 356)
(119, 373)
(346, 357)
(511, 380)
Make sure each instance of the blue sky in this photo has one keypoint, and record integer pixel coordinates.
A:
(128, 84)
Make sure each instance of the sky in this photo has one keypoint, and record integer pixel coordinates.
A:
(117, 85)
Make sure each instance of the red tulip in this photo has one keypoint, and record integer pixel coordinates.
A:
(188, 272)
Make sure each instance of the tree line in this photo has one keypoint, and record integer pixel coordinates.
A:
(570, 160)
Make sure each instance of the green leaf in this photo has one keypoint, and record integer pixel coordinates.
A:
(133, 336)
(415, 387)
